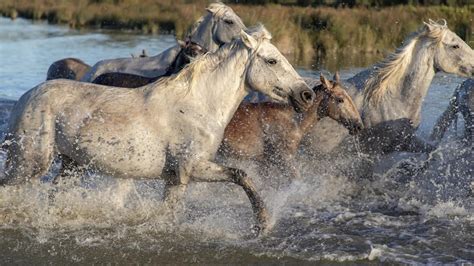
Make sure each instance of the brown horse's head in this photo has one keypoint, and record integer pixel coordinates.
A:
(337, 104)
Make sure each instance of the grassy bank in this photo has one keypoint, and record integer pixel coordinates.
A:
(305, 34)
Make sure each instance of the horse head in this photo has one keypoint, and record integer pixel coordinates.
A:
(337, 104)
(452, 54)
(270, 72)
(220, 26)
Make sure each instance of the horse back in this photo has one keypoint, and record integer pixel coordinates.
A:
(68, 68)
(150, 67)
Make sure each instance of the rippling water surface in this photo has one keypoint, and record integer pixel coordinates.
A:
(420, 216)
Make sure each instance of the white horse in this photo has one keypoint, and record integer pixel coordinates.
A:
(394, 89)
(169, 129)
(221, 25)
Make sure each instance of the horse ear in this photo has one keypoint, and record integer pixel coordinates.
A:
(214, 7)
(337, 78)
(248, 40)
(325, 82)
(430, 26)
(181, 43)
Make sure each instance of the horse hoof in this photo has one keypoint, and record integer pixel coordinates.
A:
(259, 230)
(263, 220)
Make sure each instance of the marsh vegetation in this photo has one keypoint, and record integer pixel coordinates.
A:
(328, 34)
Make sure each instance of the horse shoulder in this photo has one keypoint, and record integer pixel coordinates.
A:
(243, 135)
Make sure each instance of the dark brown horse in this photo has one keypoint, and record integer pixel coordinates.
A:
(189, 50)
(270, 133)
(67, 68)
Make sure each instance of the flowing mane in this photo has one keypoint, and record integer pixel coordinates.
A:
(209, 61)
(388, 74)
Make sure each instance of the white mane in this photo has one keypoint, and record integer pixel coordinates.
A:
(388, 74)
(218, 8)
(210, 61)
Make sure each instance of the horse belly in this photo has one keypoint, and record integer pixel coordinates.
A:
(129, 158)
(118, 148)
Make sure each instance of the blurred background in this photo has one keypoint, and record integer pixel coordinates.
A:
(311, 33)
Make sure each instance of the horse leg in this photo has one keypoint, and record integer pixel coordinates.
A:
(175, 187)
(468, 122)
(28, 159)
(207, 171)
(32, 147)
(281, 156)
(445, 120)
(415, 144)
(286, 164)
(68, 167)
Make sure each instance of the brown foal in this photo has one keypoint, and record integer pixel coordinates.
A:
(270, 133)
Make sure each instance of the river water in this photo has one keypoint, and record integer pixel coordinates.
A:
(326, 218)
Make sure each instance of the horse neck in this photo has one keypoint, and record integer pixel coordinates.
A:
(417, 82)
(222, 88)
(410, 90)
(309, 118)
(203, 34)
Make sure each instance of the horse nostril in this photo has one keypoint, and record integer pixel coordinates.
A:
(307, 96)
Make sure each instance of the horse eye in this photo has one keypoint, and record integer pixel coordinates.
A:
(228, 21)
(455, 46)
(339, 100)
(271, 61)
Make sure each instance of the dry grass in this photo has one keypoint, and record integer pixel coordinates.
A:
(305, 35)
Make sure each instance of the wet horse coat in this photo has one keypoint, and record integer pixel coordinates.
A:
(170, 129)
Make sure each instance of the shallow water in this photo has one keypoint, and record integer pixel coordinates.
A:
(423, 216)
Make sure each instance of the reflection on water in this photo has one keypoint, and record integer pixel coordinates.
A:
(422, 216)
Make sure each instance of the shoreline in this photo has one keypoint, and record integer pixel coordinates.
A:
(308, 36)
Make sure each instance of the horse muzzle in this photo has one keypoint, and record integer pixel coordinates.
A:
(301, 98)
